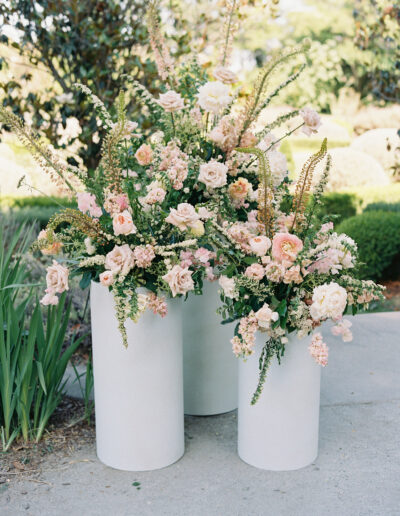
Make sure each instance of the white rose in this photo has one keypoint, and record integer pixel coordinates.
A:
(278, 164)
(328, 301)
(57, 278)
(265, 315)
(228, 286)
(179, 280)
(106, 278)
(120, 260)
(123, 224)
(171, 101)
(224, 75)
(260, 245)
(183, 217)
(214, 96)
(213, 174)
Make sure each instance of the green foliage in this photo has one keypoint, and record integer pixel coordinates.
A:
(93, 43)
(342, 205)
(383, 206)
(377, 234)
(378, 26)
(32, 364)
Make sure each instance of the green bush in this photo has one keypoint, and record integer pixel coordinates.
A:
(377, 234)
(36, 214)
(342, 205)
(36, 201)
(32, 364)
(383, 206)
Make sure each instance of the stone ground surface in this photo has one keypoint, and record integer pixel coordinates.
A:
(357, 472)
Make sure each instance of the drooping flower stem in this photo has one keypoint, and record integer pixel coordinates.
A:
(265, 359)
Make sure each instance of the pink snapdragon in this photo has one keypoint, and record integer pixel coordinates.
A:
(143, 255)
(157, 305)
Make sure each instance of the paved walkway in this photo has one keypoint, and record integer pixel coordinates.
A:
(357, 472)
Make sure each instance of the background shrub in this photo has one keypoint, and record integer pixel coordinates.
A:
(383, 206)
(377, 234)
(343, 205)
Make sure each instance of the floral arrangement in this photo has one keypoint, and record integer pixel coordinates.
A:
(206, 194)
(287, 270)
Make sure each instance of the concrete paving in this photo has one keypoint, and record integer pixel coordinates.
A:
(357, 472)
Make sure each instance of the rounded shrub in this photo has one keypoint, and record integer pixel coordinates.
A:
(377, 234)
(343, 205)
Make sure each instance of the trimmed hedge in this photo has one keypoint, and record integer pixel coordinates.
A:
(377, 234)
(383, 206)
(343, 205)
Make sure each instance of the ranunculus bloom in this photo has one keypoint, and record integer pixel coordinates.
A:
(171, 101)
(123, 224)
(260, 245)
(312, 121)
(183, 217)
(144, 155)
(120, 260)
(328, 301)
(213, 174)
(214, 96)
(286, 246)
(87, 203)
(255, 271)
(224, 75)
(228, 286)
(265, 315)
(179, 280)
(57, 278)
(107, 278)
(239, 189)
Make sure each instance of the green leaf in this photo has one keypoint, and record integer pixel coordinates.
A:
(41, 376)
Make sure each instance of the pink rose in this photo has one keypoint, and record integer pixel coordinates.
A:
(120, 260)
(106, 278)
(286, 246)
(123, 224)
(213, 174)
(87, 203)
(183, 217)
(312, 121)
(179, 280)
(224, 75)
(144, 155)
(255, 271)
(260, 245)
(171, 101)
(49, 299)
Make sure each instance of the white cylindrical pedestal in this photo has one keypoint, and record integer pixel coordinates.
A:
(280, 432)
(210, 369)
(138, 390)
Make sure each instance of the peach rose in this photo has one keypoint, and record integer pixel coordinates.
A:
(107, 278)
(179, 280)
(213, 174)
(183, 217)
(144, 155)
(123, 224)
(260, 245)
(120, 260)
(239, 189)
(57, 278)
(286, 246)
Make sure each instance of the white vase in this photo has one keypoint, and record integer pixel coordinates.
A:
(210, 369)
(280, 432)
(138, 390)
